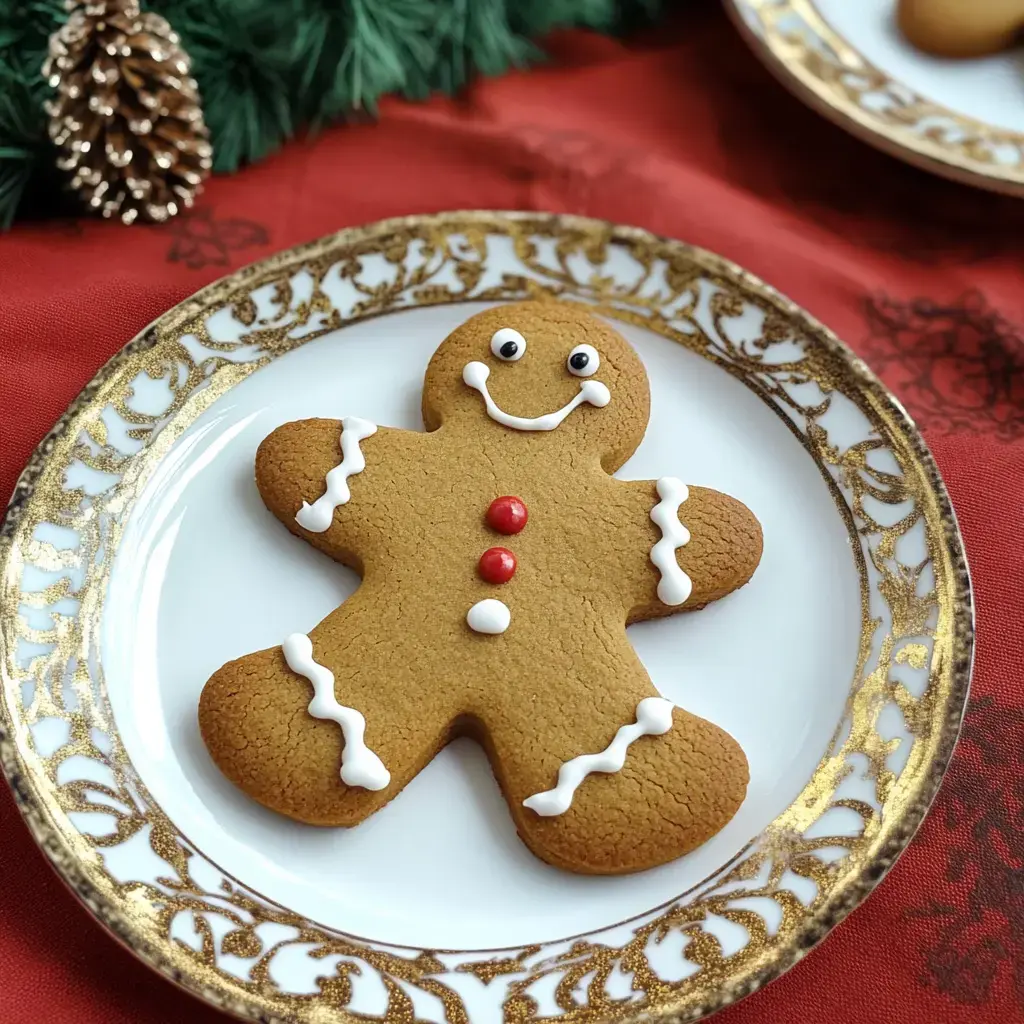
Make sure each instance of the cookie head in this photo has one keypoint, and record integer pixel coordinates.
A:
(547, 370)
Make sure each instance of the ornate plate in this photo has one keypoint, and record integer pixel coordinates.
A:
(961, 119)
(136, 558)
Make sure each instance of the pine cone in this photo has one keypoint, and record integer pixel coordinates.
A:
(126, 116)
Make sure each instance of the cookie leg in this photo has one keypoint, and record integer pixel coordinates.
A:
(677, 787)
(255, 719)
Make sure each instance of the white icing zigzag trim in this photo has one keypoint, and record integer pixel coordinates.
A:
(318, 517)
(360, 766)
(675, 586)
(475, 374)
(653, 718)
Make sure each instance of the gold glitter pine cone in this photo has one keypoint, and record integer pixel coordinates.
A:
(126, 117)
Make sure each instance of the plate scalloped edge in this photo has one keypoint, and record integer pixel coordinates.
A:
(816, 63)
(201, 928)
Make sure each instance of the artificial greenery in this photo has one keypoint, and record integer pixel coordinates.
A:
(269, 68)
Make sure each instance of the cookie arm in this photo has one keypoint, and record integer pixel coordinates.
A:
(326, 480)
(682, 547)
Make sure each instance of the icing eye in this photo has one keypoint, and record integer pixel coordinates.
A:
(583, 361)
(508, 345)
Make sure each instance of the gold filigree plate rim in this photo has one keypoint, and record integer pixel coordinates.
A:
(43, 814)
(786, 58)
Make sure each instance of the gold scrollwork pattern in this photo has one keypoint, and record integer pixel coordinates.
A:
(83, 799)
(808, 55)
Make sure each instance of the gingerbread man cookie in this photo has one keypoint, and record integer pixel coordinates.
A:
(500, 565)
(953, 28)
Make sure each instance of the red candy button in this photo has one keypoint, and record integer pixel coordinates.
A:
(497, 565)
(506, 515)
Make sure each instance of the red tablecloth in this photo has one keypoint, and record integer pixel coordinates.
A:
(684, 134)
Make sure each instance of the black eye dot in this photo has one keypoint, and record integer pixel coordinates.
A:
(578, 360)
(509, 349)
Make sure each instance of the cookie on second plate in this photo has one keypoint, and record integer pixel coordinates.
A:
(952, 28)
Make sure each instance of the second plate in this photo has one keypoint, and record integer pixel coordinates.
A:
(960, 119)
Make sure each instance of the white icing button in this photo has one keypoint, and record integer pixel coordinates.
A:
(489, 616)
(653, 718)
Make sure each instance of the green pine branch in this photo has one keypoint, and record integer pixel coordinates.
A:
(267, 68)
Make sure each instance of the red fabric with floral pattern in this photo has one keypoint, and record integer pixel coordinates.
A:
(684, 134)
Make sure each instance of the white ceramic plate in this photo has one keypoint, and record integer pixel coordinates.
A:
(138, 557)
(963, 119)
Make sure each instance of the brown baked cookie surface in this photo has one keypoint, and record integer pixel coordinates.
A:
(954, 28)
(529, 408)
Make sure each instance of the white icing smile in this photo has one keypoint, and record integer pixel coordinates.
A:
(593, 392)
